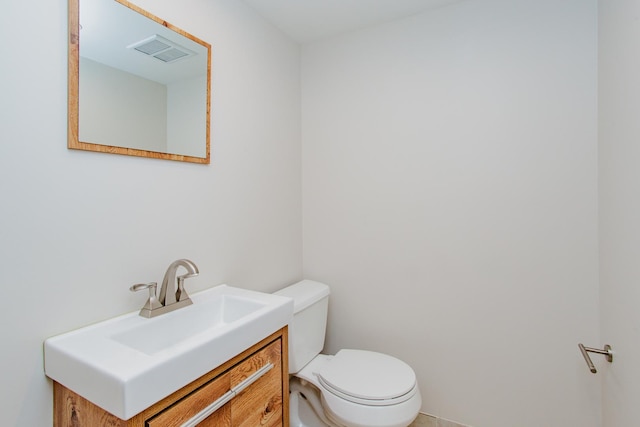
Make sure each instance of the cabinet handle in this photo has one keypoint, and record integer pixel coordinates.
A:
(252, 378)
(213, 407)
(226, 398)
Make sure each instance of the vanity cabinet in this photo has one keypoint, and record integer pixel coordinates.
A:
(250, 390)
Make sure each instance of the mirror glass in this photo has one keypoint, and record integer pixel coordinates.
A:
(137, 85)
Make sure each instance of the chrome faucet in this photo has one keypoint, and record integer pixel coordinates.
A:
(170, 298)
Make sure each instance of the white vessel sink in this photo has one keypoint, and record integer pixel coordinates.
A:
(128, 363)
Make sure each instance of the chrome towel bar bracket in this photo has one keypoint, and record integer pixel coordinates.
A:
(608, 353)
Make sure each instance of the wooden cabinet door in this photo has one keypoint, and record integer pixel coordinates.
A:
(261, 403)
(191, 405)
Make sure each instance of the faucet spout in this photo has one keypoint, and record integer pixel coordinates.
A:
(168, 292)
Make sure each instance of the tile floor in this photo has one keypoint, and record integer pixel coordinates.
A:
(425, 420)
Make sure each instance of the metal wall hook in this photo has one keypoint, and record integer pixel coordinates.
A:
(608, 353)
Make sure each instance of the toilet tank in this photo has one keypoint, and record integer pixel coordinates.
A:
(309, 324)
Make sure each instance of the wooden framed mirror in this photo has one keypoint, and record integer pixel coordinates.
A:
(138, 85)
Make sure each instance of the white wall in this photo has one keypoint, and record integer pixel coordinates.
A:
(186, 113)
(78, 228)
(104, 92)
(450, 200)
(619, 132)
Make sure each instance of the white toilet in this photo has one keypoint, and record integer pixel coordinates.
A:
(354, 388)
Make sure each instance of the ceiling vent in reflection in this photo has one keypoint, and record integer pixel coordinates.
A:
(162, 49)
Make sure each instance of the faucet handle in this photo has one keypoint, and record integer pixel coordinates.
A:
(152, 302)
(181, 293)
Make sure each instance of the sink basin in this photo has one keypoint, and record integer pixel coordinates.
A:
(167, 332)
(128, 363)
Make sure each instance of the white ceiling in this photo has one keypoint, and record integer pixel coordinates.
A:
(311, 20)
(108, 28)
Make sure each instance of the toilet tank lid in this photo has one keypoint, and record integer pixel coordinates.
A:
(304, 293)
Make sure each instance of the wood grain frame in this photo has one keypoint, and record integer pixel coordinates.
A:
(73, 141)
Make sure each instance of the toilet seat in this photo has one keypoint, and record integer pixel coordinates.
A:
(346, 408)
(368, 378)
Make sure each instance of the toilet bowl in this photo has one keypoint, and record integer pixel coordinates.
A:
(353, 388)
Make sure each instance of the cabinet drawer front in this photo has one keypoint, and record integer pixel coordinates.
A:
(185, 409)
(261, 403)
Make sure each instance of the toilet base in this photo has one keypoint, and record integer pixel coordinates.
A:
(305, 406)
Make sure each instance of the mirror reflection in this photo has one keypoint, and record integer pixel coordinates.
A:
(141, 86)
